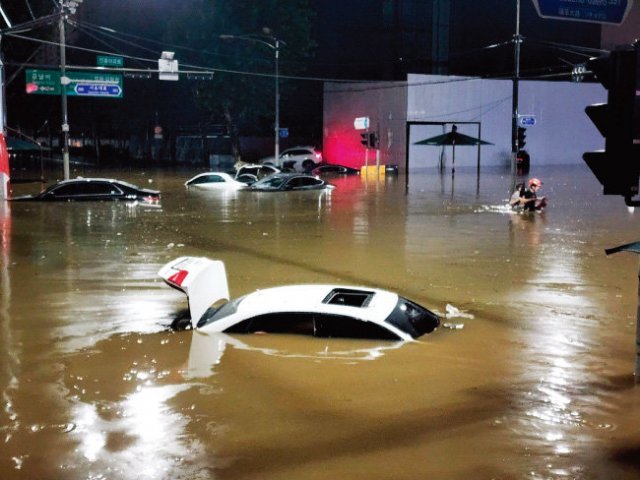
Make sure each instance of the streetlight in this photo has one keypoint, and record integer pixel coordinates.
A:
(273, 43)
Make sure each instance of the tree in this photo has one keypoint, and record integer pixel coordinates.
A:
(241, 93)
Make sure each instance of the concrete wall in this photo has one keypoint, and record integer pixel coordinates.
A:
(562, 132)
(561, 135)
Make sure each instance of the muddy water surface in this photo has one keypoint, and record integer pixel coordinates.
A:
(533, 378)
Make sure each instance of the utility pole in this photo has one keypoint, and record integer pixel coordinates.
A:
(517, 40)
(3, 110)
(277, 107)
(63, 94)
(273, 43)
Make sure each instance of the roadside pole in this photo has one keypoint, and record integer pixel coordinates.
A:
(516, 79)
(637, 369)
(63, 95)
(633, 248)
(4, 155)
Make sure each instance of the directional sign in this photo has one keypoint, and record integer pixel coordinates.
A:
(109, 61)
(526, 120)
(361, 123)
(85, 84)
(42, 82)
(97, 90)
(595, 11)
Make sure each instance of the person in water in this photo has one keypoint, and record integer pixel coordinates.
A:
(528, 197)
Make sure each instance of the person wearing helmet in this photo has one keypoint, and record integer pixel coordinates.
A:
(529, 196)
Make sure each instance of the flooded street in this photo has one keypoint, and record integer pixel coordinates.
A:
(531, 378)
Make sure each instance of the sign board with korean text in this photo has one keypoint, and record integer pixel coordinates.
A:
(77, 84)
(526, 120)
(594, 11)
(110, 61)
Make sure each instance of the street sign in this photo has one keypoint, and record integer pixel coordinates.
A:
(97, 90)
(84, 84)
(43, 82)
(595, 11)
(110, 61)
(284, 132)
(361, 123)
(526, 120)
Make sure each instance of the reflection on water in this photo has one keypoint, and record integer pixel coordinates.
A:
(537, 384)
(207, 350)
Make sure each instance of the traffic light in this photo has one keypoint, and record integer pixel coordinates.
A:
(369, 140)
(618, 120)
(373, 140)
(521, 137)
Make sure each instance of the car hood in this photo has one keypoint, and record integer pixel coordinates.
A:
(23, 197)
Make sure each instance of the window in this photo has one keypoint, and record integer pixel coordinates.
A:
(349, 297)
(208, 179)
(297, 322)
(314, 324)
(85, 189)
(302, 182)
(272, 182)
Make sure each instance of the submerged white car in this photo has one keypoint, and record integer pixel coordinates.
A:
(214, 181)
(317, 310)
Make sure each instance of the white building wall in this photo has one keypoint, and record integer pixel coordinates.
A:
(562, 133)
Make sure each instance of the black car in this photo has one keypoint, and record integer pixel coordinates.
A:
(330, 169)
(94, 189)
(290, 182)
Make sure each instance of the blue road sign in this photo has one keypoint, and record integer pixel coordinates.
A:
(284, 132)
(526, 120)
(595, 11)
(98, 90)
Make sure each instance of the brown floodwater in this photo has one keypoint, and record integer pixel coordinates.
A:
(532, 376)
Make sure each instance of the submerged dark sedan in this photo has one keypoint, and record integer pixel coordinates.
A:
(290, 182)
(94, 189)
(332, 169)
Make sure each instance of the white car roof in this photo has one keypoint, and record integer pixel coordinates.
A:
(300, 298)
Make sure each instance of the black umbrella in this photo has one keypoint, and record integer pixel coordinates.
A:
(452, 138)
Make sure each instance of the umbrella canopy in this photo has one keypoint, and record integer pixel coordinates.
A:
(452, 138)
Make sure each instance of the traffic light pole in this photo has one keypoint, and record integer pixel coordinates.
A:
(516, 78)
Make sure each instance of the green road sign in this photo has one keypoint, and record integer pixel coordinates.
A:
(110, 61)
(77, 84)
(43, 82)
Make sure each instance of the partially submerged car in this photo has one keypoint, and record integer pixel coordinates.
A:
(94, 189)
(317, 310)
(290, 182)
(214, 181)
(302, 158)
(332, 169)
(251, 173)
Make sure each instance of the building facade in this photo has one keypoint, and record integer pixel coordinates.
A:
(404, 113)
